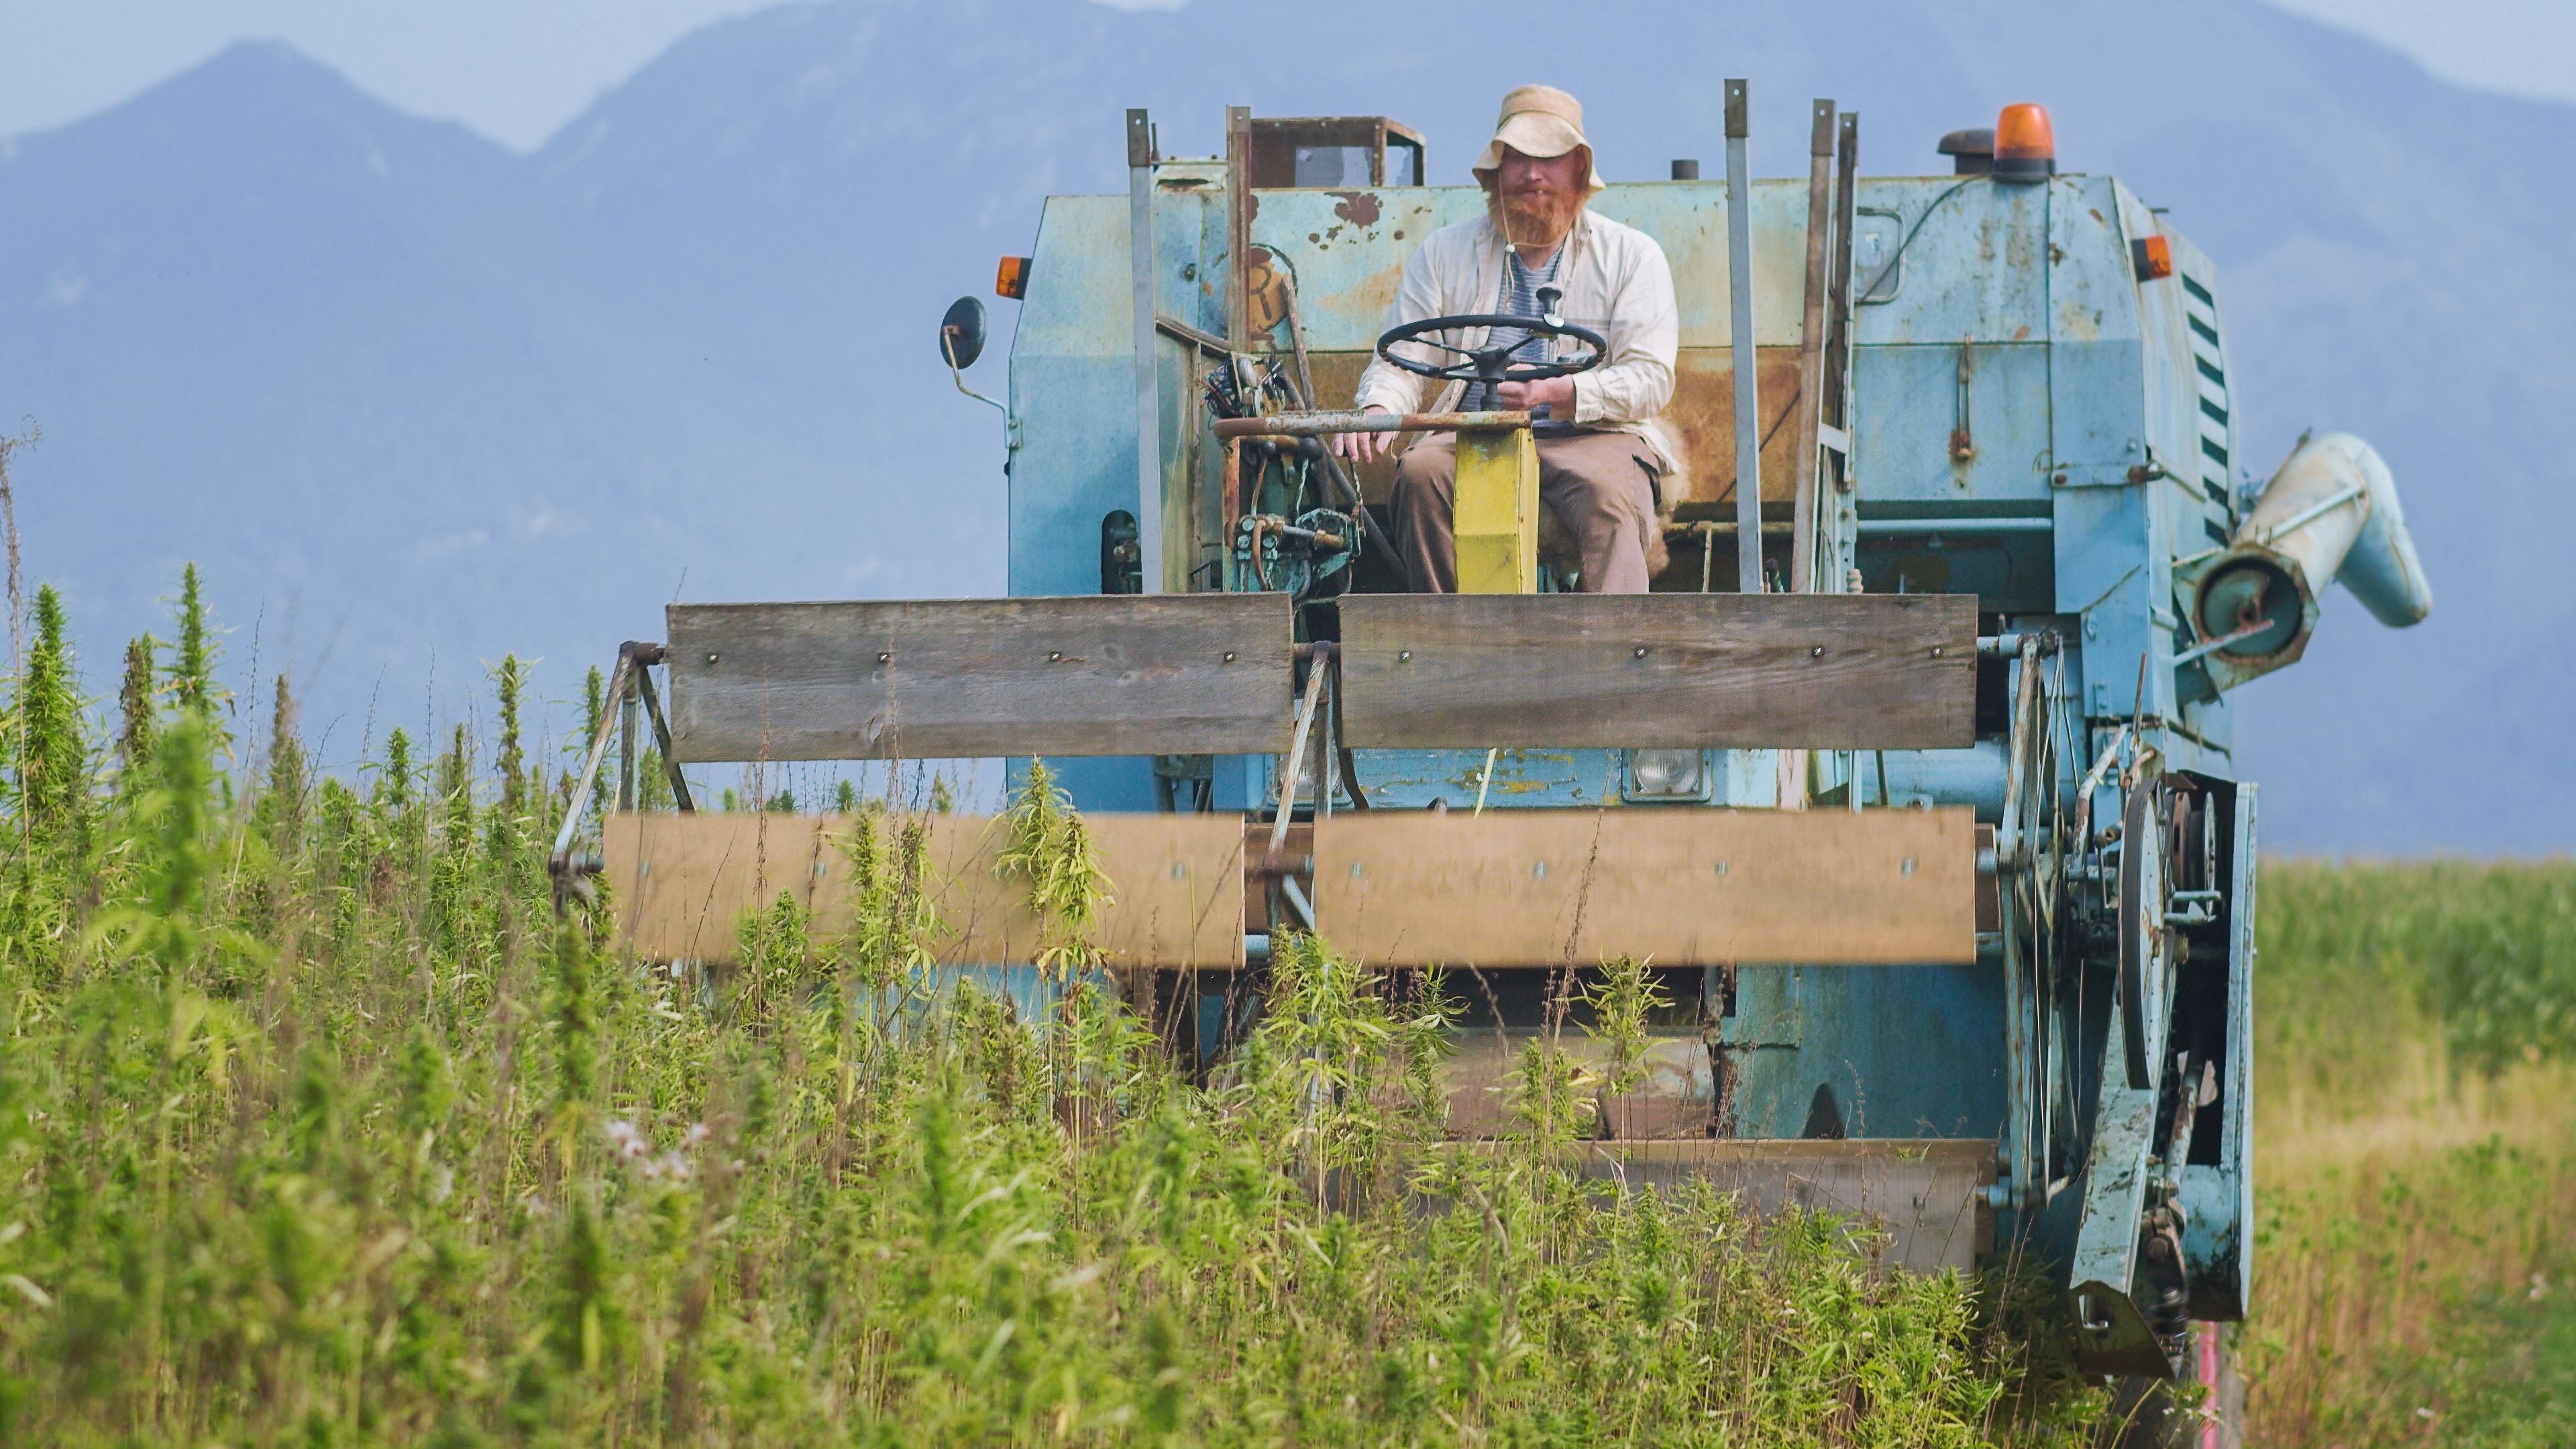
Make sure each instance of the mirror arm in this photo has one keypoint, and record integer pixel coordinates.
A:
(948, 350)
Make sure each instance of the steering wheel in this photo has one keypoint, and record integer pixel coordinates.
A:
(1493, 362)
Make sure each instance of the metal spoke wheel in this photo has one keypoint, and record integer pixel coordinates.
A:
(2146, 941)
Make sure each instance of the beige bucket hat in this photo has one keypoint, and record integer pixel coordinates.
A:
(1537, 121)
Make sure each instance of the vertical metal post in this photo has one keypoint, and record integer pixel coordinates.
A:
(1748, 368)
(629, 725)
(1811, 351)
(1149, 401)
(2022, 1180)
(1238, 231)
(1842, 551)
(662, 731)
(1838, 331)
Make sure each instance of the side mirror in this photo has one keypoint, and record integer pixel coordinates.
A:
(961, 333)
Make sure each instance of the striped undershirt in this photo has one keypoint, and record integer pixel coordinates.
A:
(1519, 299)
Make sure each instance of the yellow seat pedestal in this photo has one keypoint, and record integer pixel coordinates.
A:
(1496, 511)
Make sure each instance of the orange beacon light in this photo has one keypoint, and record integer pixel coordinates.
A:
(2025, 144)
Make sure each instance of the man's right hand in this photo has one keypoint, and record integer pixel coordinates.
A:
(1364, 447)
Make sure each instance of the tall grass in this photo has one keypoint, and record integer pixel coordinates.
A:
(2416, 1149)
(317, 1125)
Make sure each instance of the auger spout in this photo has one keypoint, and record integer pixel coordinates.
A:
(2331, 513)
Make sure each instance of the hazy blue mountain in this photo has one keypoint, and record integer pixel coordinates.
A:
(406, 394)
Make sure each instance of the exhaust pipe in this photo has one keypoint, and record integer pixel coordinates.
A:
(2330, 513)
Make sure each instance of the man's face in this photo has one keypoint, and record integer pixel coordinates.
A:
(1540, 195)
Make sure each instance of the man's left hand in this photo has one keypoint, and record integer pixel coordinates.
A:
(1556, 393)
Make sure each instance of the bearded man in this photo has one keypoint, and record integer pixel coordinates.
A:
(1601, 482)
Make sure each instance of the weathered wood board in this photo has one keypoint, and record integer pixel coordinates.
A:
(1927, 1193)
(1681, 887)
(1680, 671)
(682, 883)
(964, 678)
(1481, 1077)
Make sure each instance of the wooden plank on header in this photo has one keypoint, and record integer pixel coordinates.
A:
(1681, 671)
(1683, 887)
(682, 884)
(961, 678)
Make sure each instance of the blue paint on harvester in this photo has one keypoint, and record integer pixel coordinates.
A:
(2042, 415)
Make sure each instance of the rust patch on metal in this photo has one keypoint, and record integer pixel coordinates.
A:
(1359, 208)
(1265, 293)
(1703, 409)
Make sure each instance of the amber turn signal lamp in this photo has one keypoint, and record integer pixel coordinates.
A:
(2025, 144)
(2153, 257)
(1011, 279)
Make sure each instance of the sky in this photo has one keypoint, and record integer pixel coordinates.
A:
(514, 70)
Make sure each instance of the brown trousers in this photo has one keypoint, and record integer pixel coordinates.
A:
(1598, 486)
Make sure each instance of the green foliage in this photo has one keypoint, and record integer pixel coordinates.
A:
(53, 757)
(394, 776)
(166, 922)
(339, 1137)
(2485, 953)
(511, 763)
(894, 919)
(2418, 1132)
(1335, 1072)
(1049, 849)
(1623, 998)
(192, 671)
(652, 781)
(594, 702)
(137, 701)
(279, 816)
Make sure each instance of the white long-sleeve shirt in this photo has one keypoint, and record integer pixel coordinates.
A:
(1616, 282)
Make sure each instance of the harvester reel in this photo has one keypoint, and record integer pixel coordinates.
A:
(2146, 941)
(2031, 846)
(2036, 809)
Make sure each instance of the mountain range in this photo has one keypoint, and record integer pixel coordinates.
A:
(413, 400)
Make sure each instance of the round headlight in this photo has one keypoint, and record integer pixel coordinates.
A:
(1664, 775)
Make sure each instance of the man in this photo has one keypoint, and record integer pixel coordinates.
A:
(1602, 482)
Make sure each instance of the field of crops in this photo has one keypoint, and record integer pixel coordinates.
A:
(317, 1126)
(2416, 1156)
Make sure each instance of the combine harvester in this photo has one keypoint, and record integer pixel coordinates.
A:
(1911, 778)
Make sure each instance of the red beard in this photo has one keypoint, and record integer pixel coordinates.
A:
(1536, 216)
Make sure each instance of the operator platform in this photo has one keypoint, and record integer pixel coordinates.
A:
(1601, 363)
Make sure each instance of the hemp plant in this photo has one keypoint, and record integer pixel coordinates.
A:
(1049, 849)
(456, 1172)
